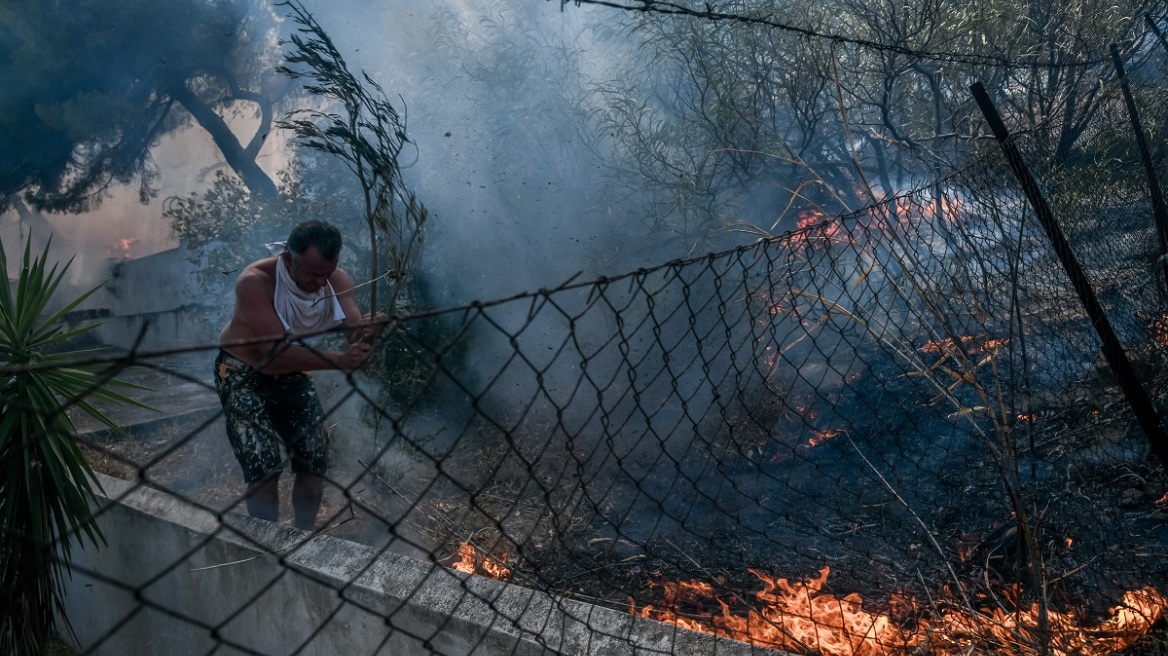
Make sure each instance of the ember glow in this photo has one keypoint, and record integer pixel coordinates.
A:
(968, 342)
(949, 209)
(1159, 329)
(773, 307)
(819, 437)
(807, 412)
(771, 358)
(472, 561)
(799, 617)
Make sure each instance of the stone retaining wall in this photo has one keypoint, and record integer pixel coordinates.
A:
(177, 579)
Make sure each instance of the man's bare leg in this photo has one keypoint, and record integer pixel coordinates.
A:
(263, 498)
(306, 494)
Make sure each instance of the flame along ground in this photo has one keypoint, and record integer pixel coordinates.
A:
(798, 617)
(472, 561)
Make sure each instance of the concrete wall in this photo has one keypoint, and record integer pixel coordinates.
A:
(168, 300)
(175, 579)
(165, 299)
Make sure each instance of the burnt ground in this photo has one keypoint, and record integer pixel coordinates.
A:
(581, 540)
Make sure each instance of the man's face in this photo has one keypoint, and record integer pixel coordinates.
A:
(310, 270)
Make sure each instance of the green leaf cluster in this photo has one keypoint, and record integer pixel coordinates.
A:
(46, 485)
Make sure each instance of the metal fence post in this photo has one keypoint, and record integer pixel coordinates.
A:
(1158, 209)
(1155, 30)
(1135, 393)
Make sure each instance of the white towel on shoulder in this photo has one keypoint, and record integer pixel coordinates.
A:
(302, 312)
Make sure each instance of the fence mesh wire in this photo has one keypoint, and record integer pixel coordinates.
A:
(890, 431)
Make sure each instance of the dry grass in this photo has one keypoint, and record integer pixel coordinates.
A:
(55, 647)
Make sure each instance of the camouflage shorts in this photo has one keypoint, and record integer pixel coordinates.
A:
(262, 411)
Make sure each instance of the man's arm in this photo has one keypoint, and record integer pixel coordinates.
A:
(254, 309)
(357, 325)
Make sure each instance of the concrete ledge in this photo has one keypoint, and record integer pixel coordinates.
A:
(177, 579)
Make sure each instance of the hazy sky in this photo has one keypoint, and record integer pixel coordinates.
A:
(512, 198)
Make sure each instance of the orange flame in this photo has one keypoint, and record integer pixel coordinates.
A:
(946, 209)
(1016, 633)
(472, 561)
(797, 616)
(819, 437)
(809, 218)
(122, 249)
(831, 232)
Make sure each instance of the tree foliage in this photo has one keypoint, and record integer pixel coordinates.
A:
(226, 226)
(89, 88)
(46, 485)
(748, 122)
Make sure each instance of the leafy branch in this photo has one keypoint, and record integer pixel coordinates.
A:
(367, 134)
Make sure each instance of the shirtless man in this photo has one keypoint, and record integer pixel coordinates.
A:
(260, 370)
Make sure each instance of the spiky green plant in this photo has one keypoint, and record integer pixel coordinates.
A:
(45, 482)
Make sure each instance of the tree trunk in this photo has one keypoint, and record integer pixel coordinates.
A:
(238, 158)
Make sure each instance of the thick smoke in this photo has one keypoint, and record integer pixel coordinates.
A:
(499, 99)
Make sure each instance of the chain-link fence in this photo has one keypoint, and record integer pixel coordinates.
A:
(887, 432)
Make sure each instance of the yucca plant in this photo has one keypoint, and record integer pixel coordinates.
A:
(45, 482)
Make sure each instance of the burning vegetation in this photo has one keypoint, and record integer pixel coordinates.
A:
(799, 616)
(473, 561)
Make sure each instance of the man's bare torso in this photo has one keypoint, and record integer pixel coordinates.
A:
(255, 331)
(262, 275)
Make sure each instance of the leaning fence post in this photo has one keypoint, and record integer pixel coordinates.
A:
(1156, 30)
(1135, 393)
(1158, 209)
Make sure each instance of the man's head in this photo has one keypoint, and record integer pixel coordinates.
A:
(324, 236)
(313, 249)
